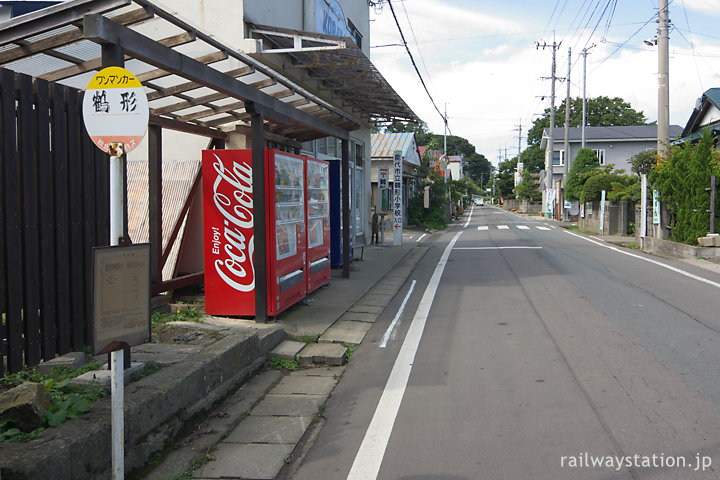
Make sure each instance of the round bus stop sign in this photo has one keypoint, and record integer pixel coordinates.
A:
(115, 109)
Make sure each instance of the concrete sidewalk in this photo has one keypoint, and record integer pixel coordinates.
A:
(264, 426)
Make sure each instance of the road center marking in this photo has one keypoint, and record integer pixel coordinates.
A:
(483, 227)
(372, 450)
(503, 227)
(650, 260)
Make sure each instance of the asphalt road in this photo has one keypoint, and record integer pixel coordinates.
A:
(526, 351)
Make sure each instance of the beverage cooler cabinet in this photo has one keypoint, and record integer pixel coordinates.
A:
(228, 224)
(318, 223)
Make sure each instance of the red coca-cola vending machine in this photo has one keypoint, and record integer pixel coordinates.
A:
(228, 222)
(317, 211)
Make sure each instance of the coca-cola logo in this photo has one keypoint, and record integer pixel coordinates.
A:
(234, 242)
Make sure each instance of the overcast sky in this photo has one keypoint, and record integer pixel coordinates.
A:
(480, 58)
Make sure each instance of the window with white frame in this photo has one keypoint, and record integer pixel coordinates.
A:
(558, 158)
(600, 154)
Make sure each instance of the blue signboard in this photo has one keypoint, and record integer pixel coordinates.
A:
(330, 18)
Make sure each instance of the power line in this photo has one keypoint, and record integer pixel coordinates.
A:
(412, 60)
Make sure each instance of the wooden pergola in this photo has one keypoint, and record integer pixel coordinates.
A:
(196, 85)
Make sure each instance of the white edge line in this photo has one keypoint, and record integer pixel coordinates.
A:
(498, 248)
(420, 238)
(372, 450)
(386, 337)
(467, 222)
(650, 260)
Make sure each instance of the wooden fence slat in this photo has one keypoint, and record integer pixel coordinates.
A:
(48, 284)
(3, 232)
(75, 130)
(14, 246)
(88, 182)
(31, 231)
(62, 217)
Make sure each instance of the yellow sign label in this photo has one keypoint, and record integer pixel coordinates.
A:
(113, 77)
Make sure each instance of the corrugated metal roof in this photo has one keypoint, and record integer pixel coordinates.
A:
(178, 179)
(385, 144)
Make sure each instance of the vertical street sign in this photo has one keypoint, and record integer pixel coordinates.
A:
(397, 202)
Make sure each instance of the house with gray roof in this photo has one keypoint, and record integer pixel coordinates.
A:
(612, 145)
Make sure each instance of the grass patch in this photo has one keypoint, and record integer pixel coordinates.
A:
(279, 364)
(68, 401)
(148, 369)
(159, 317)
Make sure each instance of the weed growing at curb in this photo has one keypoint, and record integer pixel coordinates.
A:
(351, 347)
(279, 364)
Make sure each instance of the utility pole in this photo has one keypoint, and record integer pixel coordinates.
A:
(663, 130)
(551, 139)
(519, 127)
(566, 145)
(584, 113)
(445, 135)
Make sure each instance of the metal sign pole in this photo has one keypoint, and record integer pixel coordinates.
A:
(117, 357)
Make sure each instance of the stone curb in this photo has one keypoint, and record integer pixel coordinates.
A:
(156, 408)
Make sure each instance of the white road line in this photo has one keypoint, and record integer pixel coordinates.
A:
(543, 228)
(650, 260)
(372, 450)
(390, 329)
(483, 227)
(420, 238)
(523, 227)
(469, 217)
(503, 227)
(498, 248)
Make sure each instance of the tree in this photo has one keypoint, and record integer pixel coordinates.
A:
(644, 162)
(682, 180)
(585, 165)
(528, 187)
(478, 168)
(601, 112)
(533, 159)
(402, 127)
(505, 178)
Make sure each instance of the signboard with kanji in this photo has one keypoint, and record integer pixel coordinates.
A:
(383, 174)
(397, 201)
(115, 109)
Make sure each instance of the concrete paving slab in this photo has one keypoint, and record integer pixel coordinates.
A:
(102, 378)
(335, 372)
(257, 461)
(376, 300)
(289, 405)
(323, 353)
(287, 350)
(346, 332)
(305, 386)
(358, 307)
(269, 429)
(359, 317)
(73, 360)
(163, 353)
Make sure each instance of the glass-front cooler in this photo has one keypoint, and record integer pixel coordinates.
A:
(318, 223)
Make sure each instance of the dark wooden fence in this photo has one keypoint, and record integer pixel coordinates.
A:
(53, 210)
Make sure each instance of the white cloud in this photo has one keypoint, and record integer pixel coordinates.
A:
(492, 86)
(706, 6)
